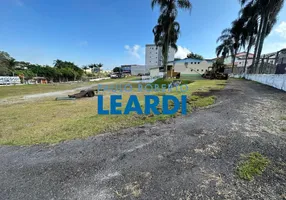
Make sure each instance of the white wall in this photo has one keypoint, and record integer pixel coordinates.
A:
(275, 80)
(191, 68)
(4, 80)
(154, 72)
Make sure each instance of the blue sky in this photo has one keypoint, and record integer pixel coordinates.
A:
(112, 32)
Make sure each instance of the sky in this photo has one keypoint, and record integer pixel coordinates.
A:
(112, 32)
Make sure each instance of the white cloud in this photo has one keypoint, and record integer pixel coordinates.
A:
(182, 52)
(134, 51)
(281, 29)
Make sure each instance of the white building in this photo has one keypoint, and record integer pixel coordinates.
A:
(191, 67)
(153, 55)
(139, 69)
(239, 60)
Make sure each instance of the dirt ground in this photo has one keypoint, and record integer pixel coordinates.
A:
(192, 157)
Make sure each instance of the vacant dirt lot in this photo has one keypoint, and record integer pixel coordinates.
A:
(191, 157)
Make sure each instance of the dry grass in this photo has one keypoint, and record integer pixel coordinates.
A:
(50, 121)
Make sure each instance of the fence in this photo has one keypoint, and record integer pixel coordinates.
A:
(7, 80)
(272, 63)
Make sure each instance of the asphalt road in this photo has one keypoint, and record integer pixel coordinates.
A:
(192, 157)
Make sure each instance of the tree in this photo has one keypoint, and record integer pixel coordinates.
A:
(69, 70)
(85, 68)
(117, 69)
(233, 36)
(195, 56)
(7, 64)
(225, 49)
(265, 13)
(166, 32)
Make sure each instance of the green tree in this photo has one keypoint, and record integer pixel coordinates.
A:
(85, 68)
(117, 69)
(166, 32)
(195, 56)
(225, 49)
(265, 12)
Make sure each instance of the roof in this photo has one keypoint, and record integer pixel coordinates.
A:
(191, 60)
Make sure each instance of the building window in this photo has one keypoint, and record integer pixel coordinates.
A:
(191, 70)
(198, 70)
(191, 63)
(202, 70)
(198, 62)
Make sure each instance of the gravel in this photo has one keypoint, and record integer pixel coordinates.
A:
(192, 157)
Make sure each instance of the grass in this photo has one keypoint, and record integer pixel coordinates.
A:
(162, 81)
(49, 121)
(283, 117)
(21, 90)
(252, 165)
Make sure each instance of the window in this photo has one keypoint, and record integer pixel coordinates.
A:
(191, 63)
(191, 70)
(198, 70)
(198, 62)
(202, 70)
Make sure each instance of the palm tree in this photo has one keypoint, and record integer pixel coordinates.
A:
(225, 49)
(266, 12)
(233, 36)
(91, 66)
(85, 68)
(166, 32)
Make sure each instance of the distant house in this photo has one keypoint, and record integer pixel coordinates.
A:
(189, 67)
(40, 80)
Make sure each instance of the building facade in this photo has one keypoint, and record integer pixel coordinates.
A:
(191, 67)
(139, 70)
(239, 60)
(153, 55)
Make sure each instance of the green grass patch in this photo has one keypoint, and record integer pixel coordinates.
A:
(162, 81)
(283, 117)
(49, 121)
(252, 165)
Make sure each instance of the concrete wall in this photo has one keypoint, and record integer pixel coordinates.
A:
(6, 80)
(192, 68)
(275, 80)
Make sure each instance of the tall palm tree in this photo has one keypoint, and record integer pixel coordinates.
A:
(225, 49)
(85, 68)
(233, 36)
(166, 32)
(265, 12)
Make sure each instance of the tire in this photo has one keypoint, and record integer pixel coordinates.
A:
(90, 94)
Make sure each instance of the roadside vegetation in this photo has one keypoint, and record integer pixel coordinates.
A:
(252, 165)
(49, 121)
(21, 90)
